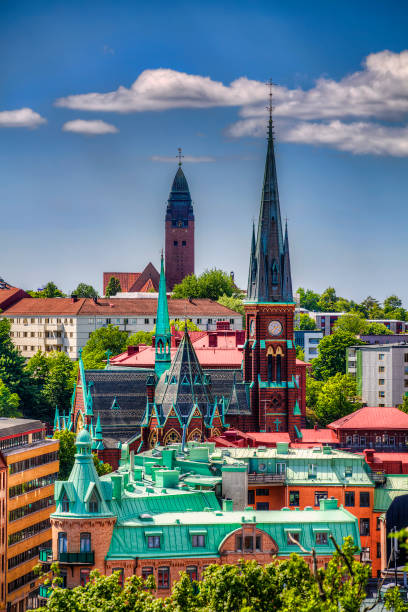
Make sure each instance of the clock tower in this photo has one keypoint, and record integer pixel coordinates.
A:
(269, 354)
(179, 231)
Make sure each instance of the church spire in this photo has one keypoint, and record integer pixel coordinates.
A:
(163, 336)
(268, 279)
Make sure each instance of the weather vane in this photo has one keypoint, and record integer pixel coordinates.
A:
(180, 156)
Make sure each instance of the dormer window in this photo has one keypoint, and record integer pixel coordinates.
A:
(93, 504)
(65, 503)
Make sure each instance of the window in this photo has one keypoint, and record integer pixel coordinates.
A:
(65, 503)
(321, 538)
(93, 504)
(84, 577)
(391, 441)
(248, 542)
(349, 499)
(85, 542)
(365, 555)
(163, 578)
(28, 532)
(198, 321)
(381, 356)
(175, 243)
(364, 499)
(381, 368)
(290, 536)
(146, 572)
(210, 321)
(381, 381)
(318, 496)
(378, 523)
(147, 321)
(121, 572)
(348, 471)
(191, 571)
(27, 464)
(153, 541)
(40, 504)
(198, 540)
(184, 243)
(364, 526)
(381, 394)
(293, 498)
(262, 492)
(362, 440)
(251, 496)
(281, 468)
(62, 542)
(27, 554)
(349, 440)
(378, 550)
(312, 470)
(262, 506)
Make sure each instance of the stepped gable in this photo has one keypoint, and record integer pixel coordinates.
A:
(184, 385)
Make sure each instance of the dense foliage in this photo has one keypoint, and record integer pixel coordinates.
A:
(355, 323)
(332, 399)
(49, 291)
(211, 284)
(109, 338)
(369, 308)
(66, 452)
(246, 587)
(333, 354)
(113, 287)
(306, 323)
(9, 402)
(85, 291)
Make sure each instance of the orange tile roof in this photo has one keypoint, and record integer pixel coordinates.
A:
(116, 307)
(373, 417)
(10, 296)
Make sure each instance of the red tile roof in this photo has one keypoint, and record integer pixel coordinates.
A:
(372, 417)
(119, 307)
(126, 279)
(10, 295)
(319, 436)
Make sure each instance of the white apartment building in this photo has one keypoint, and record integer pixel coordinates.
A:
(65, 324)
(326, 320)
(308, 340)
(381, 372)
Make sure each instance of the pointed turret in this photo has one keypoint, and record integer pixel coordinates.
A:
(57, 425)
(163, 336)
(287, 278)
(98, 435)
(267, 274)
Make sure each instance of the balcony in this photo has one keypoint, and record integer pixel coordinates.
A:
(44, 591)
(275, 479)
(79, 558)
(45, 555)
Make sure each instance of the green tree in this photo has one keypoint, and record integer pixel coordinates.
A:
(328, 300)
(332, 354)
(300, 353)
(50, 291)
(404, 405)
(53, 376)
(101, 340)
(243, 587)
(305, 322)
(66, 452)
(101, 467)
(378, 329)
(313, 389)
(370, 308)
(9, 402)
(233, 303)
(351, 323)
(85, 291)
(337, 398)
(211, 284)
(15, 376)
(308, 299)
(179, 324)
(113, 287)
(391, 303)
(140, 337)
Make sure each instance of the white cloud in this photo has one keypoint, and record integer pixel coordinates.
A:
(93, 128)
(186, 158)
(23, 117)
(378, 92)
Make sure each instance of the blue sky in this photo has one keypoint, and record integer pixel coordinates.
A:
(96, 96)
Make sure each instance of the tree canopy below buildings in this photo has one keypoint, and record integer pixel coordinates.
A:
(113, 287)
(109, 338)
(49, 291)
(211, 284)
(245, 587)
(369, 308)
(333, 354)
(85, 291)
(306, 323)
(332, 399)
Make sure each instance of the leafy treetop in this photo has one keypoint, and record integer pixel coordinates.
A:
(113, 287)
(211, 284)
(85, 291)
(50, 291)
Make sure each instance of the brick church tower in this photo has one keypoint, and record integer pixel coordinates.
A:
(179, 231)
(269, 355)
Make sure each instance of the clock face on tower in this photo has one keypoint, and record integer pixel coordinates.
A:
(252, 327)
(275, 328)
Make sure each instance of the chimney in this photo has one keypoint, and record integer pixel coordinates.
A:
(74, 298)
(369, 455)
(95, 299)
(132, 350)
(212, 340)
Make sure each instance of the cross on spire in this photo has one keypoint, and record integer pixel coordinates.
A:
(180, 157)
(269, 108)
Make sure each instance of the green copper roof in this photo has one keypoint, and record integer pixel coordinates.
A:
(395, 486)
(162, 319)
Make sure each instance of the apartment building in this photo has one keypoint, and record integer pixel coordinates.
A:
(28, 469)
(65, 324)
(325, 321)
(381, 371)
(308, 340)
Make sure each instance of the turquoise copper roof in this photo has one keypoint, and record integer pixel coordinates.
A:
(395, 486)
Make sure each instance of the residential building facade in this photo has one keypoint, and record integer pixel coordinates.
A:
(65, 324)
(308, 340)
(381, 372)
(135, 282)
(28, 469)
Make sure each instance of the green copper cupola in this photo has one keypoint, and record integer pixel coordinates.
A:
(163, 335)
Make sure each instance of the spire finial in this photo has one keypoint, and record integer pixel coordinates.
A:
(269, 108)
(180, 157)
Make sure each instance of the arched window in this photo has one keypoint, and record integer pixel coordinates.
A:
(85, 542)
(62, 542)
(270, 368)
(65, 503)
(278, 368)
(93, 504)
(274, 273)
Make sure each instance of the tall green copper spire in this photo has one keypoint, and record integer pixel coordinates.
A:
(163, 336)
